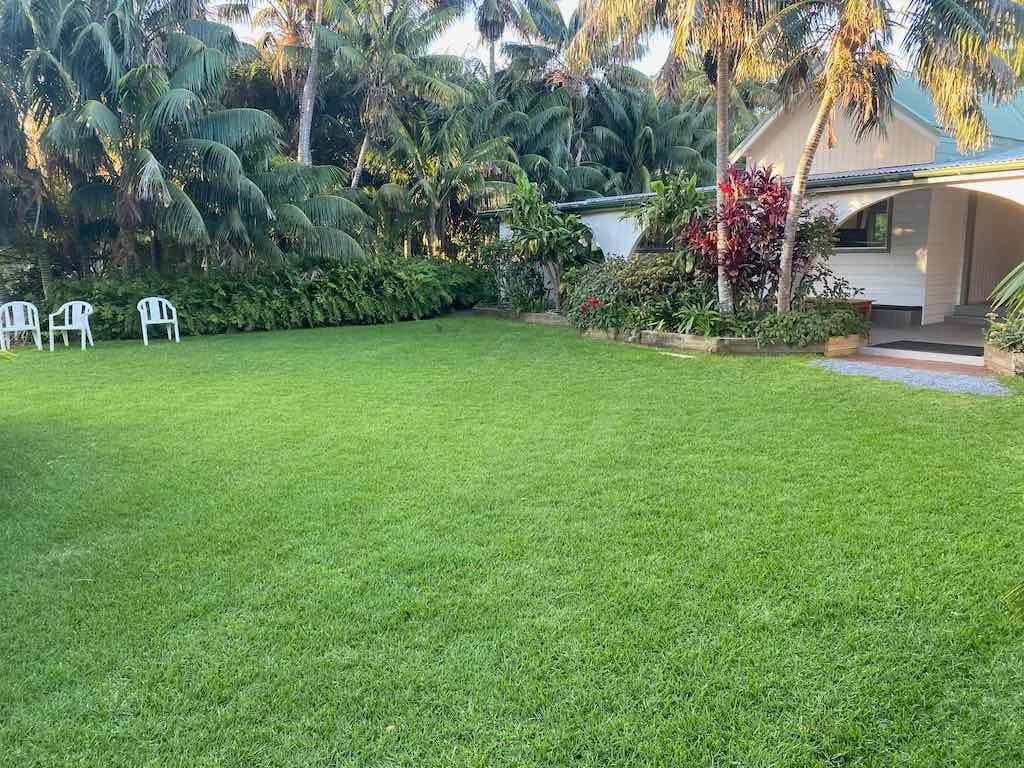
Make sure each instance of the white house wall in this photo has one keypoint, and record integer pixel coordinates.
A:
(781, 143)
(947, 235)
(998, 244)
(896, 277)
(615, 235)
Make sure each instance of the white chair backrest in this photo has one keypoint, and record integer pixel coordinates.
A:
(156, 309)
(73, 311)
(19, 316)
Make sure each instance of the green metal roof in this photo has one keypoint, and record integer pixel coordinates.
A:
(1006, 120)
(992, 161)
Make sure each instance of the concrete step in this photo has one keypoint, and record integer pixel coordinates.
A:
(971, 314)
(934, 357)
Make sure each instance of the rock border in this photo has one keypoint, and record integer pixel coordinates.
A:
(837, 346)
(1003, 362)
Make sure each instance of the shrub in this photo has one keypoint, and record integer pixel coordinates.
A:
(596, 297)
(755, 209)
(360, 292)
(1007, 333)
(540, 239)
(800, 328)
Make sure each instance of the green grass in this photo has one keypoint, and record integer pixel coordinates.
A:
(467, 542)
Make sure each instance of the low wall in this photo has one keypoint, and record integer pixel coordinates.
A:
(537, 318)
(837, 346)
(685, 342)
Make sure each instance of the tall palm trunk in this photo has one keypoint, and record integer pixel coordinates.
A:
(45, 275)
(308, 99)
(722, 79)
(435, 238)
(796, 201)
(358, 172)
(491, 67)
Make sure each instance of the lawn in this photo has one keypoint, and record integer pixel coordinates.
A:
(468, 542)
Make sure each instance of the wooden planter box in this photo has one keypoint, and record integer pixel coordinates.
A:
(1003, 361)
(842, 346)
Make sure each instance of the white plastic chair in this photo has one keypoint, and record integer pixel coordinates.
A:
(72, 316)
(19, 317)
(156, 310)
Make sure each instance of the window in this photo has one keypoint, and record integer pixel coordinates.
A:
(868, 229)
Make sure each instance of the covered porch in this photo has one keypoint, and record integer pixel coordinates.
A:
(928, 251)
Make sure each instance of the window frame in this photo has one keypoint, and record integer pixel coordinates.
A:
(886, 248)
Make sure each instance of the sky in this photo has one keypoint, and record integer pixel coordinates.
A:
(462, 39)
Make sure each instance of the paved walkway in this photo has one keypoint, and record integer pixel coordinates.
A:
(918, 373)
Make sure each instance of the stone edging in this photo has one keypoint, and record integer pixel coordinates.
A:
(685, 342)
(837, 346)
(1003, 361)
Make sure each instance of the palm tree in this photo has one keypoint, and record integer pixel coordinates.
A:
(307, 101)
(147, 148)
(639, 137)
(383, 48)
(449, 163)
(287, 39)
(962, 51)
(725, 34)
(531, 18)
(854, 73)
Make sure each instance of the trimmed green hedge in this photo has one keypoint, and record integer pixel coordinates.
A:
(359, 292)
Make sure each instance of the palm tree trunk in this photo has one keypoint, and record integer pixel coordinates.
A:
(722, 78)
(435, 240)
(45, 276)
(358, 172)
(491, 67)
(797, 192)
(308, 99)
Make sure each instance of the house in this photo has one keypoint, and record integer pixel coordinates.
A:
(925, 231)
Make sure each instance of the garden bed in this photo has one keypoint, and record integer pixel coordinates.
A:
(1003, 361)
(685, 342)
(536, 318)
(836, 346)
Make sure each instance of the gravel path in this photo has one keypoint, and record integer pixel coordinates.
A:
(947, 382)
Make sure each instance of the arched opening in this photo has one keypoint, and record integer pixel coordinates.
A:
(929, 256)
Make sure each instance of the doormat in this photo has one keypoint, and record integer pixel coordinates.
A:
(932, 346)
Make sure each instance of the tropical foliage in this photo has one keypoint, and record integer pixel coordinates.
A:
(364, 291)
(542, 238)
(148, 137)
(676, 289)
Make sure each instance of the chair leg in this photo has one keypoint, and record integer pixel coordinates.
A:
(38, 336)
(64, 335)
(3, 342)
(168, 332)
(177, 338)
(82, 329)
(88, 330)
(51, 333)
(145, 336)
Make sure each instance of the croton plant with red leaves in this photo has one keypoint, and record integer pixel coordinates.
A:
(754, 212)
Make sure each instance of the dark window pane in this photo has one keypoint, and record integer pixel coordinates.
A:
(866, 229)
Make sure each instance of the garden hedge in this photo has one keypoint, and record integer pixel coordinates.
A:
(358, 292)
